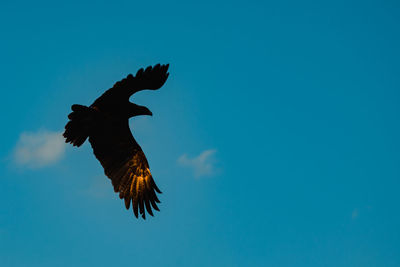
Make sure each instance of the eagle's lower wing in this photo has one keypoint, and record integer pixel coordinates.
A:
(135, 184)
(126, 165)
(151, 78)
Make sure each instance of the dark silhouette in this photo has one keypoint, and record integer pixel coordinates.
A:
(105, 122)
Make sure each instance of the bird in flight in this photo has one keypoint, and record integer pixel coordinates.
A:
(106, 124)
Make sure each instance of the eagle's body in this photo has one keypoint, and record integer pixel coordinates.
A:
(106, 123)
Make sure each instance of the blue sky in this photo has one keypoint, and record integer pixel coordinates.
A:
(274, 141)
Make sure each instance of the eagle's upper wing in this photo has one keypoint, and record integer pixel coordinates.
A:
(152, 78)
(126, 165)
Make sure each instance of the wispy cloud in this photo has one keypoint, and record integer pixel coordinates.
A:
(354, 214)
(99, 188)
(202, 165)
(39, 149)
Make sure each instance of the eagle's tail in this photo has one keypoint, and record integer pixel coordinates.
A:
(77, 129)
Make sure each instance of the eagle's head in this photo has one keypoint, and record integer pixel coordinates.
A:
(136, 110)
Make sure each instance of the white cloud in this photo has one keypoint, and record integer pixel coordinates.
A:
(202, 165)
(38, 149)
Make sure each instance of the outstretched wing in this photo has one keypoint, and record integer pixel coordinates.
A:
(126, 165)
(151, 78)
(135, 184)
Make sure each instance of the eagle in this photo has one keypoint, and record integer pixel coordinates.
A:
(106, 124)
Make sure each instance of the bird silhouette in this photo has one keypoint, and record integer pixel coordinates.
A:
(106, 124)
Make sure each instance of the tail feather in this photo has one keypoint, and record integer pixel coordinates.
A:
(78, 128)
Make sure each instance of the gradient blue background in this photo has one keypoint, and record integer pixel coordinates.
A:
(299, 98)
